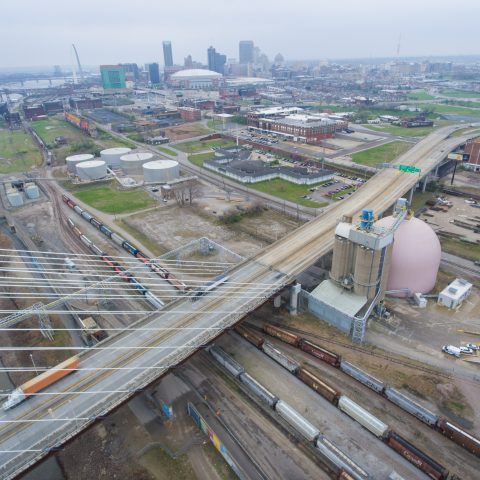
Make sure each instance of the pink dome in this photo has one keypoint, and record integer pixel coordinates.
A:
(416, 256)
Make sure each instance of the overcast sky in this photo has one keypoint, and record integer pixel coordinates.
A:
(40, 32)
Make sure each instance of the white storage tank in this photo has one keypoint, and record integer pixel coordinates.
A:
(111, 156)
(92, 170)
(15, 198)
(73, 160)
(132, 162)
(32, 191)
(160, 171)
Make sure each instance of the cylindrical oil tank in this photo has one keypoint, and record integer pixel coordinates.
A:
(92, 170)
(15, 198)
(366, 273)
(32, 191)
(132, 162)
(111, 156)
(341, 259)
(161, 171)
(73, 160)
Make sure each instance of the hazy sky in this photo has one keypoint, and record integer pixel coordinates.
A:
(40, 32)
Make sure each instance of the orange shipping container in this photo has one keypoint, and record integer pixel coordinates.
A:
(50, 376)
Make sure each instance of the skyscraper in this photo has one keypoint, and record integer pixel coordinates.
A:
(167, 53)
(245, 51)
(216, 61)
(154, 73)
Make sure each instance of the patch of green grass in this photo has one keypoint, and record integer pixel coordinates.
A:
(18, 152)
(163, 467)
(194, 147)
(420, 95)
(168, 151)
(383, 153)
(460, 93)
(106, 140)
(402, 131)
(51, 127)
(343, 192)
(466, 130)
(419, 198)
(110, 199)
(456, 110)
(460, 249)
(220, 465)
(287, 191)
(199, 158)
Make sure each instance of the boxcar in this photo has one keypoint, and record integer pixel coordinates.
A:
(250, 335)
(467, 441)
(319, 352)
(283, 335)
(320, 386)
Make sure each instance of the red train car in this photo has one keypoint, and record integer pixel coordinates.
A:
(319, 352)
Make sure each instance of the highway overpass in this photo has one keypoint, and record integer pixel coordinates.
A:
(131, 360)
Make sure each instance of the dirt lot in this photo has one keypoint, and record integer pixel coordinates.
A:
(188, 130)
(465, 178)
(441, 221)
(173, 226)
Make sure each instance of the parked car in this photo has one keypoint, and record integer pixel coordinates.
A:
(451, 350)
(466, 350)
(472, 346)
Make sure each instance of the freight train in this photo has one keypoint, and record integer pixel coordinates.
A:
(446, 428)
(339, 463)
(41, 382)
(121, 242)
(122, 272)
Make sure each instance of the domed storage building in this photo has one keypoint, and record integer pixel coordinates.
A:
(73, 160)
(92, 170)
(416, 256)
(132, 162)
(161, 171)
(196, 78)
(111, 156)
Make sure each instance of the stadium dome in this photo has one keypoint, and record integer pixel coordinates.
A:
(416, 256)
(195, 73)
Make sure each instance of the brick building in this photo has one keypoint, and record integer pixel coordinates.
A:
(472, 149)
(190, 114)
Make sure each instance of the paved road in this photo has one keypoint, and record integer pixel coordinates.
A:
(48, 420)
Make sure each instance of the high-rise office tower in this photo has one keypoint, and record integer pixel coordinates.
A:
(154, 73)
(216, 61)
(245, 51)
(167, 53)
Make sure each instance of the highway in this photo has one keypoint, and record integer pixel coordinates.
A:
(46, 421)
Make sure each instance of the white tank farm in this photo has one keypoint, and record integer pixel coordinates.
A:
(132, 162)
(416, 255)
(73, 160)
(111, 156)
(161, 171)
(92, 170)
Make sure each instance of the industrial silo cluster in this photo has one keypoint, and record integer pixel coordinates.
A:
(18, 191)
(161, 171)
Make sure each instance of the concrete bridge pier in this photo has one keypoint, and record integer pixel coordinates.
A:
(294, 292)
(410, 195)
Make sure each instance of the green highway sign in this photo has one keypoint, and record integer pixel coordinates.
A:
(409, 169)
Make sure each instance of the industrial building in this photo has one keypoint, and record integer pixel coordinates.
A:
(455, 293)
(85, 103)
(291, 124)
(113, 78)
(196, 79)
(190, 114)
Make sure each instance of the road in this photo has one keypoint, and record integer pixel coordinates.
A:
(46, 421)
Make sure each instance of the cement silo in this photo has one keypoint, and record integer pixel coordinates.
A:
(92, 170)
(342, 254)
(366, 275)
(132, 162)
(73, 160)
(161, 171)
(111, 156)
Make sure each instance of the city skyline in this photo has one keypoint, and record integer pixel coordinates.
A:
(298, 32)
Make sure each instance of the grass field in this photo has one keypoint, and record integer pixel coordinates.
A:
(105, 140)
(163, 467)
(107, 198)
(195, 147)
(168, 151)
(18, 152)
(461, 249)
(52, 127)
(402, 131)
(287, 191)
(460, 93)
(456, 110)
(199, 158)
(420, 95)
(382, 153)
(463, 131)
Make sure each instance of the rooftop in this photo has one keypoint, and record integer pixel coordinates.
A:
(196, 72)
